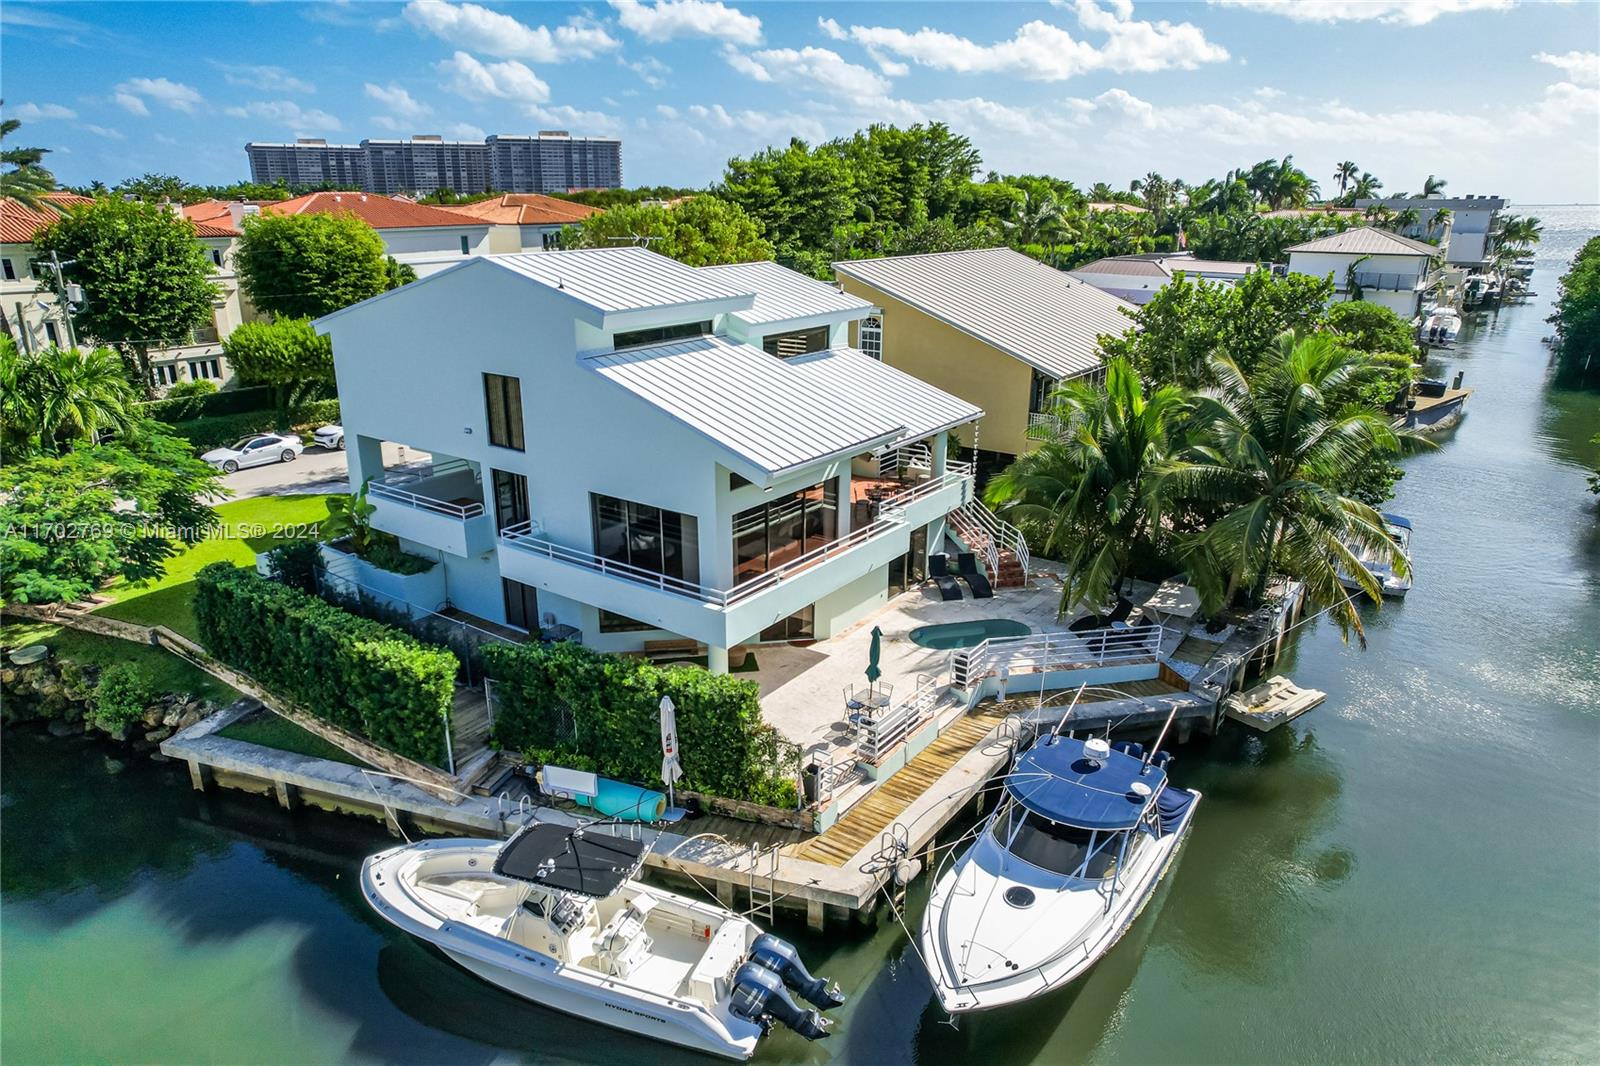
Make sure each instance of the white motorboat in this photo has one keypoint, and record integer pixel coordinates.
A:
(1441, 326)
(1070, 856)
(556, 916)
(1379, 566)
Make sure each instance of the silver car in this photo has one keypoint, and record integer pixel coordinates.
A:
(255, 450)
(330, 437)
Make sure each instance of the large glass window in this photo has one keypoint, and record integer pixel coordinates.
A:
(1039, 393)
(798, 626)
(612, 622)
(659, 335)
(779, 531)
(796, 342)
(502, 397)
(521, 602)
(510, 499)
(646, 537)
(1062, 849)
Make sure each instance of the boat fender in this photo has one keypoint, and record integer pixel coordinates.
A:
(781, 958)
(906, 871)
(759, 996)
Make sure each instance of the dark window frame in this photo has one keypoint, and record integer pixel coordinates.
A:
(643, 338)
(505, 422)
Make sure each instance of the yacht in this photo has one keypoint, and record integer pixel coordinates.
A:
(556, 915)
(1082, 836)
(1441, 326)
(1391, 583)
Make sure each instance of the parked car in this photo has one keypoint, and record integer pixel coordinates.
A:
(330, 437)
(255, 450)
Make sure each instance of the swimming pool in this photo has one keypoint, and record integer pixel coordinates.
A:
(967, 634)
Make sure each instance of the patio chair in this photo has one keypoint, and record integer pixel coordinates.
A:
(967, 564)
(939, 573)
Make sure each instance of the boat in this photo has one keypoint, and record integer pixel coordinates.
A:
(1082, 836)
(557, 916)
(1441, 326)
(1392, 584)
(1272, 703)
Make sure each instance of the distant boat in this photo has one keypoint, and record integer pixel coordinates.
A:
(1391, 584)
(1071, 855)
(1441, 326)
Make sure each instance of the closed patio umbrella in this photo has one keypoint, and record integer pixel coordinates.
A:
(873, 652)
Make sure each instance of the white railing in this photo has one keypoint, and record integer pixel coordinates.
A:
(916, 456)
(1044, 418)
(461, 511)
(890, 729)
(521, 537)
(424, 473)
(1000, 532)
(900, 500)
(1054, 651)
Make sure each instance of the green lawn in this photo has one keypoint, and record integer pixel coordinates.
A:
(271, 731)
(247, 527)
(168, 672)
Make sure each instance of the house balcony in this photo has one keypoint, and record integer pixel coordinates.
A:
(1385, 282)
(439, 506)
(723, 617)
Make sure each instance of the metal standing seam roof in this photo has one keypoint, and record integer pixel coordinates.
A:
(924, 408)
(621, 279)
(769, 413)
(1030, 311)
(1367, 240)
(1143, 268)
(783, 295)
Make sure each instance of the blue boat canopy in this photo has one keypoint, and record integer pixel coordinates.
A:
(1056, 779)
(1395, 520)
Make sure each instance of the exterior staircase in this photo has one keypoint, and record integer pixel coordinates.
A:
(995, 541)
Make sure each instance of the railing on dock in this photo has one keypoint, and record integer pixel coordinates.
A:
(890, 729)
(1054, 651)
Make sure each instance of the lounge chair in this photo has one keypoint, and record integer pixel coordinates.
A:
(967, 565)
(939, 571)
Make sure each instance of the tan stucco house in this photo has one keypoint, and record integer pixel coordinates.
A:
(992, 326)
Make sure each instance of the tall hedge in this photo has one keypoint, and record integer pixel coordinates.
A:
(563, 702)
(225, 402)
(362, 676)
(215, 431)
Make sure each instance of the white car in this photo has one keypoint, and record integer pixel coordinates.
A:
(255, 450)
(330, 437)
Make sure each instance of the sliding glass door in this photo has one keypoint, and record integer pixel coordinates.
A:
(646, 537)
(779, 531)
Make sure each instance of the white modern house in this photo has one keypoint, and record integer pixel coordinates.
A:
(1467, 234)
(645, 451)
(1370, 264)
(1137, 278)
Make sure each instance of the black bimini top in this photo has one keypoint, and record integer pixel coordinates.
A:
(570, 860)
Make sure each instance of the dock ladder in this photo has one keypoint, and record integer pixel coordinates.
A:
(764, 881)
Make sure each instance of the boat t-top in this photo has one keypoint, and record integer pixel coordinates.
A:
(1072, 853)
(1378, 564)
(555, 915)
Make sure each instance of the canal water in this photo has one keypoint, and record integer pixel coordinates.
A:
(1411, 872)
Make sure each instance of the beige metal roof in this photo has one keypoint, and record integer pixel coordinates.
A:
(784, 295)
(1131, 268)
(924, 408)
(1367, 240)
(621, 279)
(1030, 311)
(764, 411)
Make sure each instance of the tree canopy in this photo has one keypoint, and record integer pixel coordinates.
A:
(1577, 319)
(285, 354)
(702, 231)
(307, 266)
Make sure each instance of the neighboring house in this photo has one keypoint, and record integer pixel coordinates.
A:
(35, 319)
(613, 452)
(1468, 239)
(992, 326)
(428, 238)
(1137, 278)
(524, 221)
(1386, 268)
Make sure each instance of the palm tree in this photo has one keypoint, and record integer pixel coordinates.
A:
(1365, 188)
(26, 181)
(1439, 220)
(1089, 481)
(1101, 193)
(1433, 187)
(1267, 453)
(1520, 232)
(1406, 219)
(1344, 174)
(62, 395)
(1037, 221)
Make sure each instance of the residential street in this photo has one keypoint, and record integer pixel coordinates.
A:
(316, 470)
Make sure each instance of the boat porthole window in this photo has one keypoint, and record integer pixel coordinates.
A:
(1019, 896)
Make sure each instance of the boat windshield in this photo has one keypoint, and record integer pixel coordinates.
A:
(1062, 849)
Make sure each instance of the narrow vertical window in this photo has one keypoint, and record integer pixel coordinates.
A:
(870, 336)
(503, 401)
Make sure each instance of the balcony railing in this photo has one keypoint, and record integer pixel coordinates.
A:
(1054, 651)
(1043, 418)
(425, 503)
(1389, 282)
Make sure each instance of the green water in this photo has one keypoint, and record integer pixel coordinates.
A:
(1410, 873)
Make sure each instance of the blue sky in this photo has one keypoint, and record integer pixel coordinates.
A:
(1494, 95)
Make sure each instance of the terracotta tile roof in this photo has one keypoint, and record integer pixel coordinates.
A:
(525, 209)
(379, 212)
(18, 224)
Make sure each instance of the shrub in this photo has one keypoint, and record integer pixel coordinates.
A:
(121, 695)
(298, 564)
(565, 703)
(192, 387)
(361, 675)
(215, 431)
(181, 406)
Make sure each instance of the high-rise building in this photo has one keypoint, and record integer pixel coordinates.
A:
(552, 161)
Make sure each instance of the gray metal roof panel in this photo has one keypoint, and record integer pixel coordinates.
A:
(925, 409)
(1028, 310)
(1367, 240)
(784, 295)
(622, 279)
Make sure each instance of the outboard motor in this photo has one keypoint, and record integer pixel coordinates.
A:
(759, 996)
(781, 958)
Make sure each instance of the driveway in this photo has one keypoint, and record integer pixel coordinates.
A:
(316, 470)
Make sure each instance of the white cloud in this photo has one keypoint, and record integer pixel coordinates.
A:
(759, 127)
(651, 70)
(666, 19)
(1267, 92)
(287, 113)
(464, 131)
(818, 68)
(565, 117)
(271, 79)
(1399, 12)
(399, 103)
(105, 131)
(666, 111)
(1042, 51)
(506, 80)
(1581, 68)
(135, 94)
(41, 112)
(490, 32)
